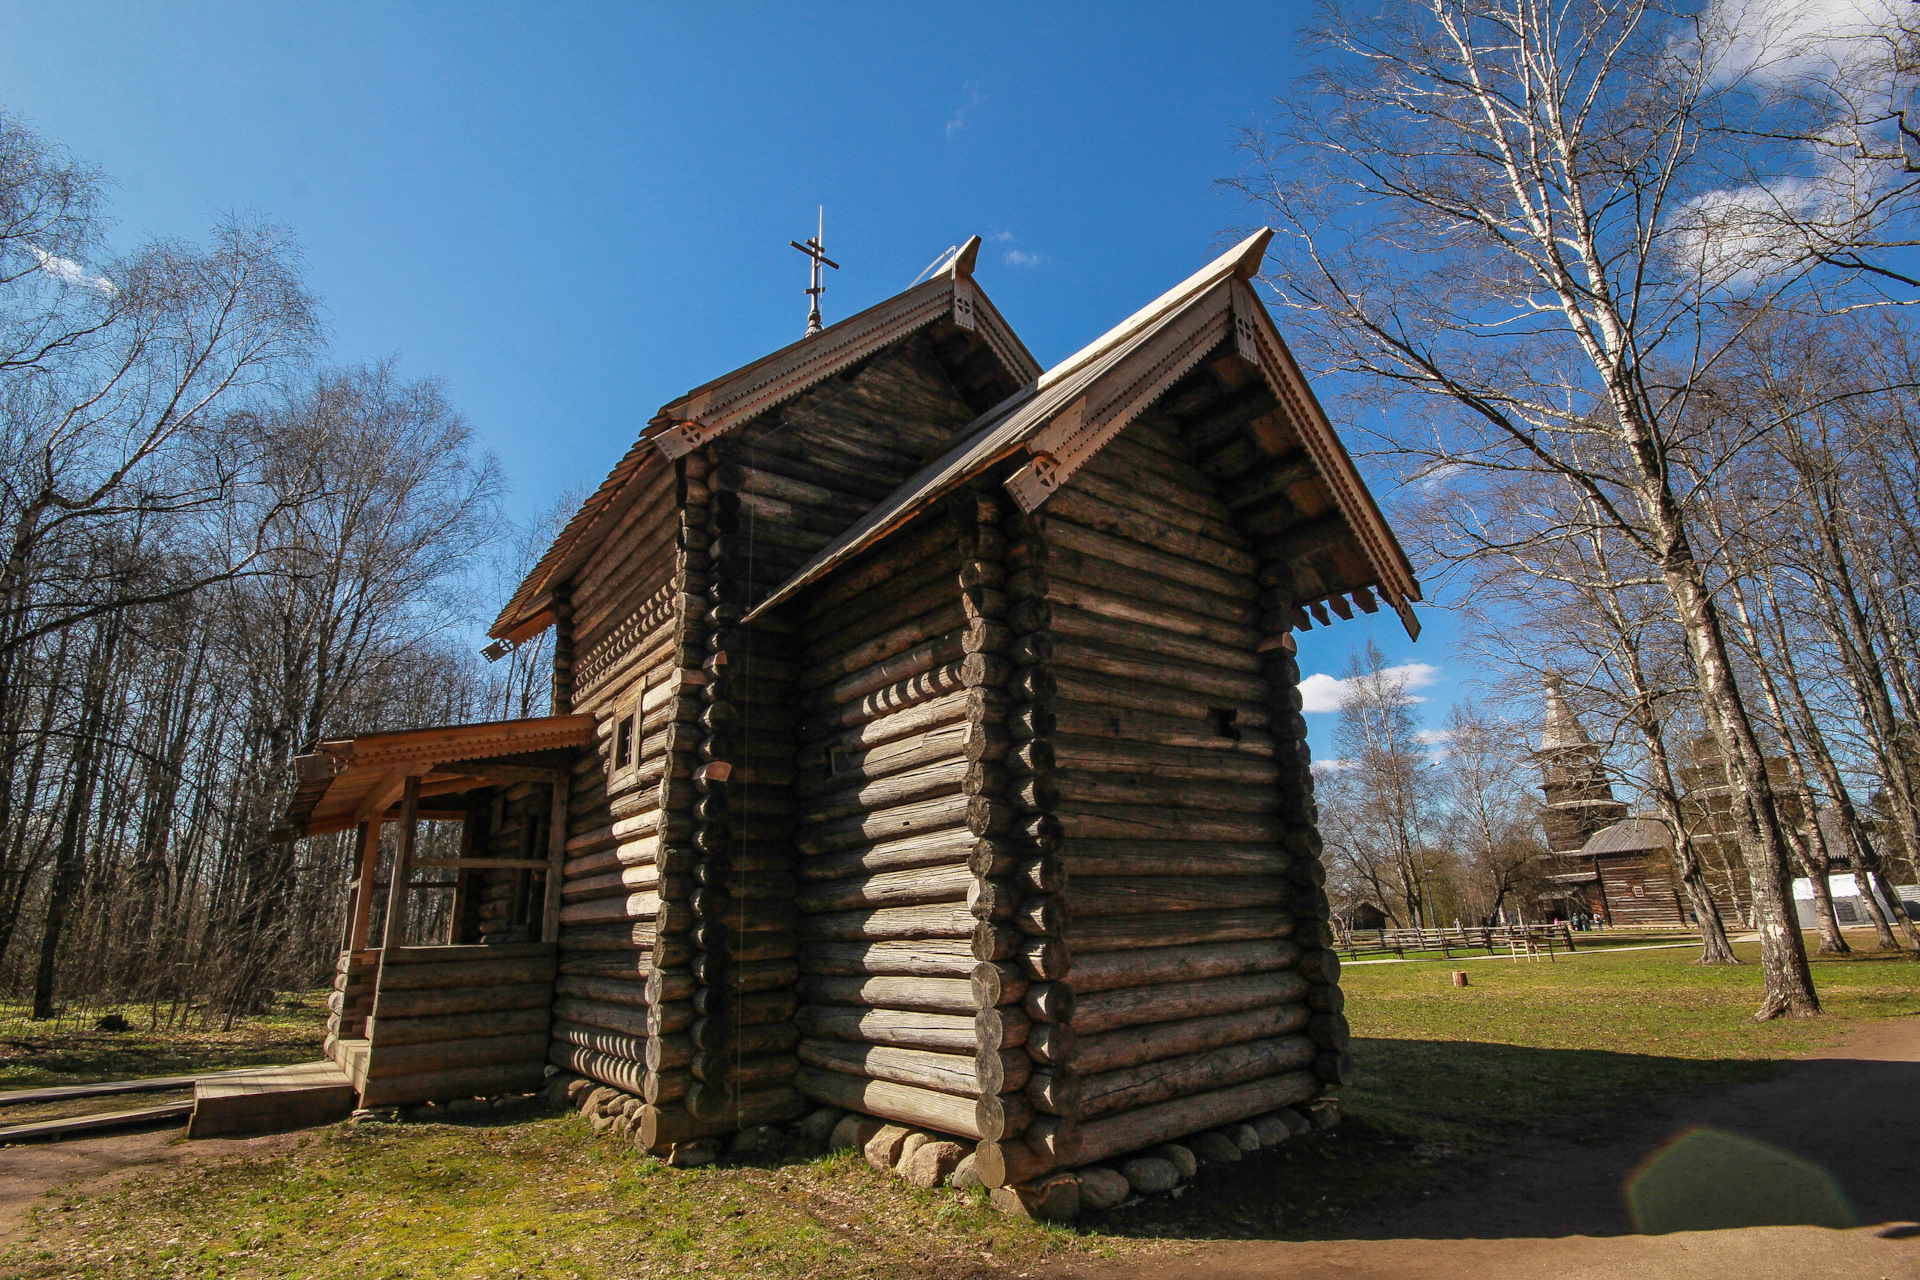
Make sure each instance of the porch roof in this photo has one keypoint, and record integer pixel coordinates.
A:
(359, 779)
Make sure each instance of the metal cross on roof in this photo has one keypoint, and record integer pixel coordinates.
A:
(816, 250)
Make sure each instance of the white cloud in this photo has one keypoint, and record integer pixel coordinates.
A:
(958, 120)
(1021, 258)
(1322, 692)
(1784, 41)
(67, 271)
(1433, 737)
(1000, 237)
(1334, 766)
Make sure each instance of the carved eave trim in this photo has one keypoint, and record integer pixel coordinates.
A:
(1259, 341)
(1116, 397)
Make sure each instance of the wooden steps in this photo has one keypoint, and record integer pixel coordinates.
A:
(271, 1099)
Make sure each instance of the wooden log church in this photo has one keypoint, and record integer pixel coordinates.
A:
(926, 744)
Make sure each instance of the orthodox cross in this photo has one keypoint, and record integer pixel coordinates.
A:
(816, 250)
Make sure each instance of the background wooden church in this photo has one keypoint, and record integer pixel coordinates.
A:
(925, 743)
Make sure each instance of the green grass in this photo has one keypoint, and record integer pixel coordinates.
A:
(1528, 1052)
(32, 1055)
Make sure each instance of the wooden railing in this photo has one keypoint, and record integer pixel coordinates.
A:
(1511, 939)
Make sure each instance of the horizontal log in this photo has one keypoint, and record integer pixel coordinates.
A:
(522, 1076)
(1090, 896)
(1114, 933)
(1131, 555)
(1134, 1006)
(614, 1044)
(907, 1104)
(937, 920)
(929, 849)
(1151, 637)
(429, 1002)
(892, 559)
(620, 1073)
(663, 1126)
(958, 1074)
(1165, 1078)
(948, 883)
(1199, 762)
(1102, 658)
(844, 768)
(1123, 697)
(1170, 530)
(912, 690)
(620, 1017)
(1113, 970)
(468, 973)
(949, 812)
(624, 906)
(936, 1032)
(942, 777)
(1144, 1127)
(930, 958)
(392, 1030)
(1131, 1046)
(911, 723)
(1092, 787)
(929, 995)
(450, 1055)
(1094, 858)
(458, 955)
(1085, 820)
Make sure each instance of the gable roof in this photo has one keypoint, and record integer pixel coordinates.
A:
(728, 402)
(357, 779)
(1076, 407)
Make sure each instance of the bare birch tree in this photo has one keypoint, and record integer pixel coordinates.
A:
(1498, 223)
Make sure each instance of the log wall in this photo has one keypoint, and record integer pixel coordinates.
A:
(1185, 892)
(453, 1022)
(901, 824)
(624, 991)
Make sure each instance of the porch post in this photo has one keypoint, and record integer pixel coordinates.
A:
(395, 933)
(556, 861)
(366, 849)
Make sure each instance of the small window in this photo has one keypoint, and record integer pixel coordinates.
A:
(839, 760)
(1223, 722)
(623, 741)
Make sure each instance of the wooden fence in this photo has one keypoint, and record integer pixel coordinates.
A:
(1511, 939)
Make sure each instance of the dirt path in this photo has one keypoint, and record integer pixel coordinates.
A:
(1560, 1211)
(31, 1170)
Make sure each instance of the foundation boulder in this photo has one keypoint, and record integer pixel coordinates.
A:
(1150, 1175)
(1101, 1188)
(1181, 1158)
(1214, 1148)
(883, 1148)
(817, 1127)
(853, 1131)
(934, 1162)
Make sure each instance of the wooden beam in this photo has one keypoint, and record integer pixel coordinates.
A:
(480, 864)
(380, 796)
(395, 934)
(556, 860)
(360, 906)
(485, 771)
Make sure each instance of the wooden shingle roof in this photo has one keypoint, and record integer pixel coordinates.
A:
(1074, 408)
(728, 402)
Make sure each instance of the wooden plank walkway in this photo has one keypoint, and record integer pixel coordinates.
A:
(105, 1088)
(76, 1125)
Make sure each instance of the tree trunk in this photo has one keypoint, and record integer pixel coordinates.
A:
(1783, 956)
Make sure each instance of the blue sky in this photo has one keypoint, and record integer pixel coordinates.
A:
(574, 213)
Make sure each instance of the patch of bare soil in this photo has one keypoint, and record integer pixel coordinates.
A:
(29, 1171)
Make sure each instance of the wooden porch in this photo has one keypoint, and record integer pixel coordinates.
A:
(464, 1017)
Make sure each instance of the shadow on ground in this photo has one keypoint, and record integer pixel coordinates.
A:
(1462, 1140)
